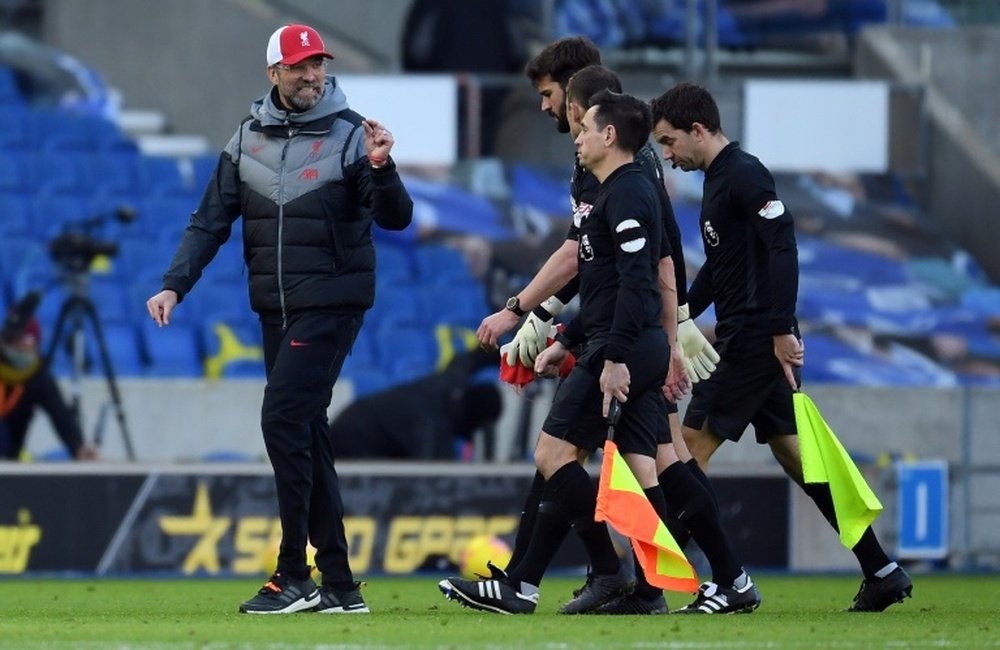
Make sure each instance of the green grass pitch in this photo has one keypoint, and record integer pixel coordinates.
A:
(946, 611)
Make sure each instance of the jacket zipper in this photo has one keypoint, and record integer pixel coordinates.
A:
(281, 228)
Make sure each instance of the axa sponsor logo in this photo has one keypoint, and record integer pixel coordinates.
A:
(710, 234)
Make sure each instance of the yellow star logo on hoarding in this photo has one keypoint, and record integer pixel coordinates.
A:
(205, 554)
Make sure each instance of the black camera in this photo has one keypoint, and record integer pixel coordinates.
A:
(75, 248)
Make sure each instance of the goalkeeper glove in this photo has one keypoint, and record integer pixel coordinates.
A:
(533, 336)
(699, 355)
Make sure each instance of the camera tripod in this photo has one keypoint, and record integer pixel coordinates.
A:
(76, 311)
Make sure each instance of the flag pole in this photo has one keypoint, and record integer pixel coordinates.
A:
(614, 414)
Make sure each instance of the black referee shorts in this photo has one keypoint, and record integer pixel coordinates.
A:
(575, 415)
(747, 387)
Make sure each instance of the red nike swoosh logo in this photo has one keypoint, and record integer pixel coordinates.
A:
(298, 344)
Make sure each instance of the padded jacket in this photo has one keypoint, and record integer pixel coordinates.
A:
(308, 196)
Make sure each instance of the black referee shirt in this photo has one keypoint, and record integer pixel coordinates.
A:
(583, 190)
(751, 271)
(619, 252)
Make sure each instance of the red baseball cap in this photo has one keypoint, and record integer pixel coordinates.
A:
(293, 43)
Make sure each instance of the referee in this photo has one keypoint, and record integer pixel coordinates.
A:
(751, 275)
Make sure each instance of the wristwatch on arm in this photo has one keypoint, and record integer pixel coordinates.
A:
(514, 305)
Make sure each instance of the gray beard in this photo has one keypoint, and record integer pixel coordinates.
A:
(301, 104)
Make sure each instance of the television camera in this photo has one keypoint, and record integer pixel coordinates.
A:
(74, 250)
(76, 247)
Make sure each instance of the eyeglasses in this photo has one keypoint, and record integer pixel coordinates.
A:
(314, 65)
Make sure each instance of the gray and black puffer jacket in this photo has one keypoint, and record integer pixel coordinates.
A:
(308, 196)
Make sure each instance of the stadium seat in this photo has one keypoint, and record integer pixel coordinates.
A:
(400, 303)
(161, 175)
(225, 299)
(441, 266)
(415, 344)
(172, 351)
(62, 173)
(202, 168)
(166, 215)
(16, 214)
(124, 350)
(140, 256)
(30, 267)
(394, 265)
(233, 348)
(16, 177)
(110, 299)
(10, 94)
(463, 304)
(117, 172)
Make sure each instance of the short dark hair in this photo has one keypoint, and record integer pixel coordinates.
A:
(561, 58)
(685, 104)
(583, 85)
(628, 114)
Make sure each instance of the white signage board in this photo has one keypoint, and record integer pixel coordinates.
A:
(421, 111)
(805, 125)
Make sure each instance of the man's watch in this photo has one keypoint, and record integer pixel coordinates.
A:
(514, 305)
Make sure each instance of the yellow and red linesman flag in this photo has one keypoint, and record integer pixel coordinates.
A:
(622, 503)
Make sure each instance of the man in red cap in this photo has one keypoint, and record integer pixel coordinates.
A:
(309, 176)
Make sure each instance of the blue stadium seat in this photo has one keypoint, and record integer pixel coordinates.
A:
(16, 174)
(58, 131)
(63, 173)
(441, 265)
(117, 172)
(138, 256)
(394, 265)
(55, 212)
(167, 215)
(363, 352)
(173, 351)
(111, 300)
(124, 349)
(162, 175)
(10, 93)
(233, 347)
(202, 168)
(26, 265)
(16, 214)
(401, 303)
(462, 304)
(414, 344)
(226, 299)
